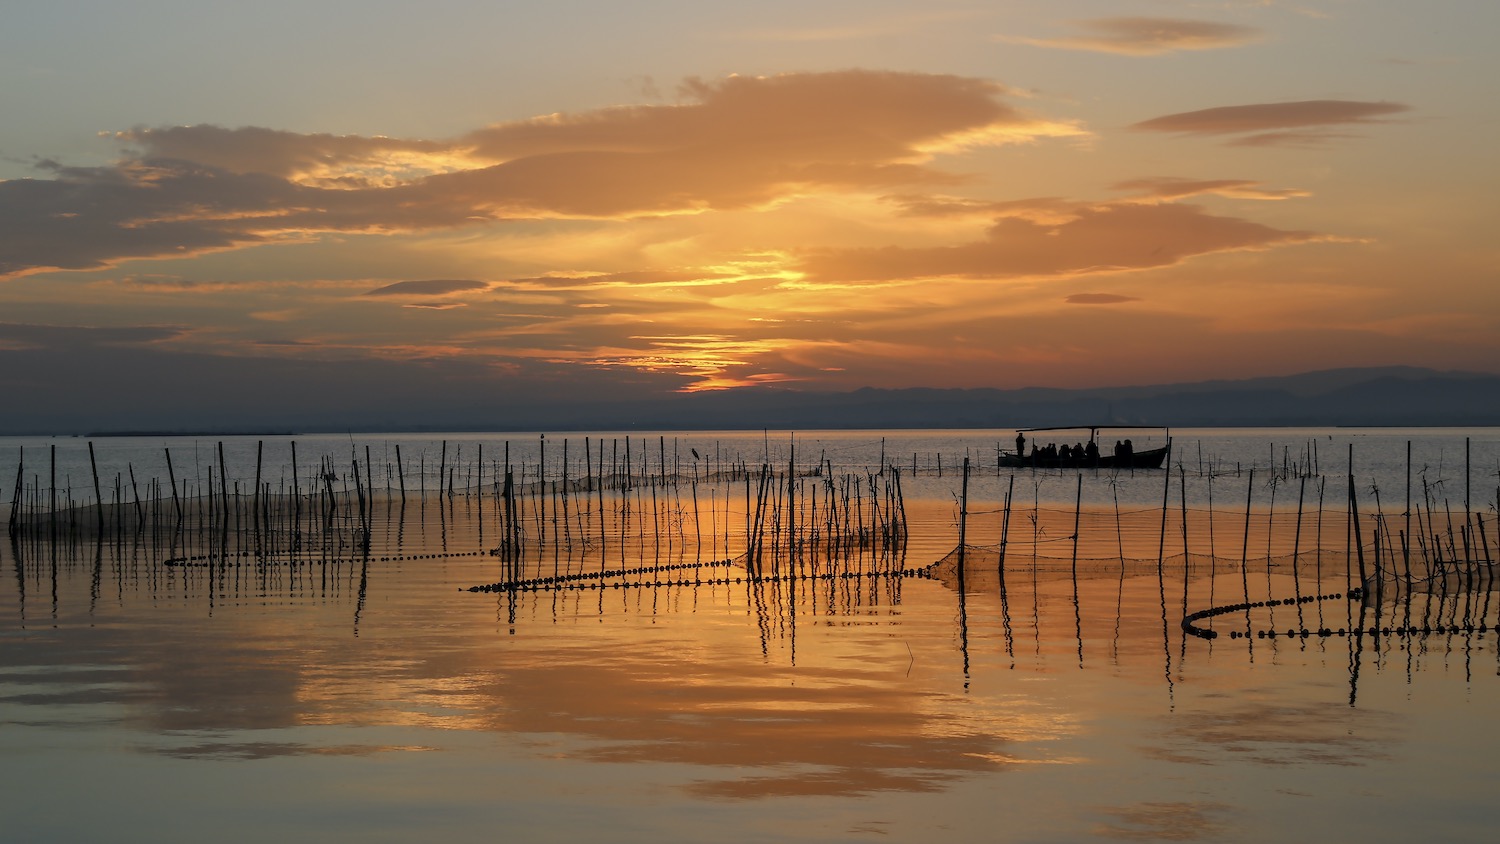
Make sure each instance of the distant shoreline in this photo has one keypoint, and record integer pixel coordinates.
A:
(104, 434)
(497, 430)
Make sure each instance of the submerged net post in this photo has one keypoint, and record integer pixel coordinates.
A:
(1077, 514)
(1005, 529)
(135, 492)
(296, 500)
(172, 478)
(963, 519)
(400, 474)
(1359, 545)
(1245, 548)
(369, 485)
(15, 497)
(98, 498)
(1166, 489)
(259, 453)
(223, 482)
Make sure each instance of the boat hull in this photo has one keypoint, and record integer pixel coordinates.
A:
(1151, 458)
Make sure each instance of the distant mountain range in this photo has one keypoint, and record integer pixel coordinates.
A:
(1386, 396)
(1397, 396)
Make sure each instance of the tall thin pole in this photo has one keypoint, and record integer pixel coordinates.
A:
(52, 488)
(1245, 547)
(15, 496)
(400, 473)
(963, 518)
(172, 477)
(223, 482)
(98, 499)
(296, 496)
(1166, 490)
(1359, 545)
(259, 452)
(1077, 513)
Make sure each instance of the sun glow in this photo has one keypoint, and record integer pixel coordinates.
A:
(1003, 134)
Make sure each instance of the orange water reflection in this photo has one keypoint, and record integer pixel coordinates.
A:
(1071, 704)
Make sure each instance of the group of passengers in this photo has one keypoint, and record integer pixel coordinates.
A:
(1088, 453)
(1078, 451)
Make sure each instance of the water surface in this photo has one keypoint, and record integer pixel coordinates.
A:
(372, 697)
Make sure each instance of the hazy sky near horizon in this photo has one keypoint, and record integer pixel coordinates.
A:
(592, 197)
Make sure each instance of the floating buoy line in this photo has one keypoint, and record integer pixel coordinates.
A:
(1191, 627)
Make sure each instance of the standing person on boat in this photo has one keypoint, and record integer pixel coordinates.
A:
(1020, 444)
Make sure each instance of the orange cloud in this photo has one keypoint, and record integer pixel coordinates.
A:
(1274, 123)
(1149, 36)
(742, 142)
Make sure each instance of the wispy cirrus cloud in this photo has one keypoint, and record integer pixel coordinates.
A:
(321, 160)
(429, 287)
(632, 279)
(738, 143)
(1172, 188)
(1141, 36)
(27, 335)
(1100, 299)
(1270, 124)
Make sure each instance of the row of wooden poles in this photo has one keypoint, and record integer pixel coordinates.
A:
(622, 473)
(787, 512)
(327, 504)
(1423, 549)
(796, 521)
(791, 514)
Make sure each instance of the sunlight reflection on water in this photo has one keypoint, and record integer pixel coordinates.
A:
(378, 700)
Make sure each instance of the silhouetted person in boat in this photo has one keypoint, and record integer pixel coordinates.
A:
(1067, 452)
(1091, 452)
(1020, 444)
(1127, 451)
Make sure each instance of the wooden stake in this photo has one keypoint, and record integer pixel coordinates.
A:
(98, 498)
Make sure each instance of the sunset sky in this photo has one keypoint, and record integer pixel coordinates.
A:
(616, 198)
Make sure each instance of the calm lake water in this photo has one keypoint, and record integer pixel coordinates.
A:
(366, 694)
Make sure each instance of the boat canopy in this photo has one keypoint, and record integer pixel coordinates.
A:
(1095, 429)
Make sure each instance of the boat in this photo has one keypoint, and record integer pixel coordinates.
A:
(1121, 455)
